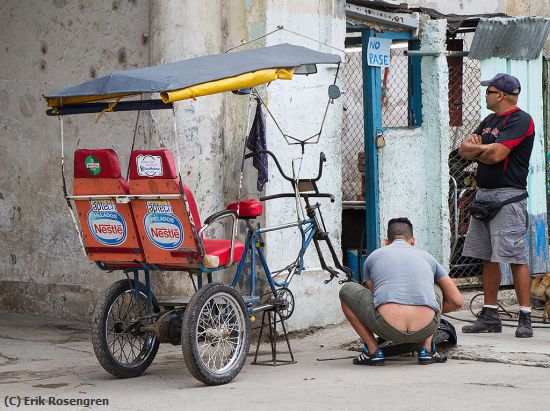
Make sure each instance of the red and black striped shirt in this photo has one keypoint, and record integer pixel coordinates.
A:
(516, 130)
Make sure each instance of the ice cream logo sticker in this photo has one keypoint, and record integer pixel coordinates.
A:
(92, 165)
(149, 166)
(162, 227)
(106, 224)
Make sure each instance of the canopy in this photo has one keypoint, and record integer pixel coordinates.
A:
(196, 77)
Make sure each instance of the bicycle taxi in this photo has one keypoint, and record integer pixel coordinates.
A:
(149, 221)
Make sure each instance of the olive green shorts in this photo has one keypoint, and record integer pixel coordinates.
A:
(360, 300)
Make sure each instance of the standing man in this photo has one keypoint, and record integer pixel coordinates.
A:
(406, 292)
(501, 146)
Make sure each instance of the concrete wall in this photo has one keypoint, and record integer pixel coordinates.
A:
(45, 46)
(48, 45)
(413, 169)
(299, 105)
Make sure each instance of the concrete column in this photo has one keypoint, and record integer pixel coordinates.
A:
(182, 30)
(435, 80)
(413, 166)
(298, 106)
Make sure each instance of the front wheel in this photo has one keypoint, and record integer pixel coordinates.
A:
(119, 346)
(215, 334)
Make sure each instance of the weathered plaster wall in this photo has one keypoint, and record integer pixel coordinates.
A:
(48, 45)
(45, 46)
(300, 105)
(460, 6)
(402, 181)
(413, 169)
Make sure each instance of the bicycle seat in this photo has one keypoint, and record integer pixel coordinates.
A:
(247, 209)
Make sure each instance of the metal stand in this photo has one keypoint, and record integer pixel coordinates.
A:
(272, 314)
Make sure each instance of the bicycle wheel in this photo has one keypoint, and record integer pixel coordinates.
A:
(215, 335)
(121, 349)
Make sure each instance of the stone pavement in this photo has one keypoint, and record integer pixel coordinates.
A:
(48, 357)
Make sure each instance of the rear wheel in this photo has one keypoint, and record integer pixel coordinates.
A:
(119, 346)
(215, 335)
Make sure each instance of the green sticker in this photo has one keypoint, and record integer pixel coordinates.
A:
(92, 165)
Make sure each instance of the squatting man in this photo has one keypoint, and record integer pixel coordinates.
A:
(405, 292)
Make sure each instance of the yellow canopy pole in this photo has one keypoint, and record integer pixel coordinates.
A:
(246, 80)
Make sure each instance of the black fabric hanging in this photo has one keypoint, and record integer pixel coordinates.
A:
(255, 142)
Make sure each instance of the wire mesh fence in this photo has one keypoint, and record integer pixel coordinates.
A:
(464, 117)
(546, 99)
(353, 139)
(394, 80)
(395, 91)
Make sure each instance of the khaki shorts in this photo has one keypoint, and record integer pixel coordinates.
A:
(360, 300)
(503, 239)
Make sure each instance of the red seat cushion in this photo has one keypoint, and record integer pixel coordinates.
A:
(222, 250)
(248, 208)
(96, 164)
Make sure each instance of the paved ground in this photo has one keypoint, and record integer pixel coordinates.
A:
(48, 357)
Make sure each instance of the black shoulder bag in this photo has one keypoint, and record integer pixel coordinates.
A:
(485, 210)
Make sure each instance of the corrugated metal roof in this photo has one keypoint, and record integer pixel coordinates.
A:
(513, 38)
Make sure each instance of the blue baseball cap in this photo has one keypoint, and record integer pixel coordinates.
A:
(504, 82)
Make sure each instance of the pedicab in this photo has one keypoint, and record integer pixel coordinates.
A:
(149, 221)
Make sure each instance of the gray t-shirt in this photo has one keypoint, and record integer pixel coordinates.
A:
(403, 274)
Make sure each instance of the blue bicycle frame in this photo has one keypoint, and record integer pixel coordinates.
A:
(254, 246)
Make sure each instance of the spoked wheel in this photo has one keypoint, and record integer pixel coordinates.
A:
(119, 346)
(285, 295)
(215, 334)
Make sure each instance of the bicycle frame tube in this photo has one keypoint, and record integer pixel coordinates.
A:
(254, 245)
(241, 263)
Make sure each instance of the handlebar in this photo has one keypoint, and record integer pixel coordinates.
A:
(322, 159)
(303, 195)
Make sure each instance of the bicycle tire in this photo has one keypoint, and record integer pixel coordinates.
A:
(104, 349)
(228, 329)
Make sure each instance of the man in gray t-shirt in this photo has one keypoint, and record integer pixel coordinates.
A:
(406, 291)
